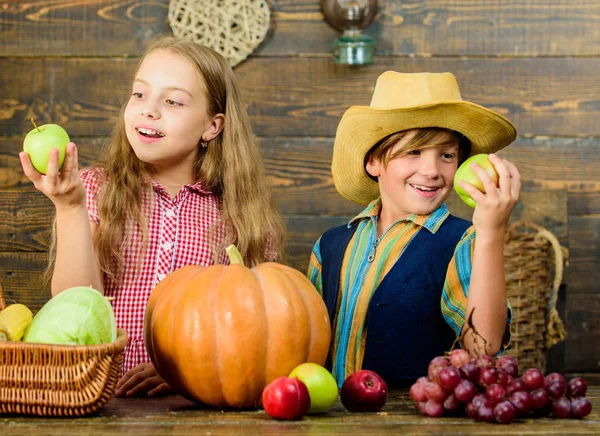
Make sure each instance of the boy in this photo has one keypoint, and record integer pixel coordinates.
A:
(400, 278)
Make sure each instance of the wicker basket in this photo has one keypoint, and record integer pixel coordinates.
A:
(58, 380)
(533, 260)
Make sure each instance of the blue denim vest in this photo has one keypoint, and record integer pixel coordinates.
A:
(405, 325)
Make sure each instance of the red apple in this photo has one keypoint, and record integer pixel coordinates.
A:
(364, 391)
(286, 398)
(466, 174)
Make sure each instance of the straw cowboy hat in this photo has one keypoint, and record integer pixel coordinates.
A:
(409, 101)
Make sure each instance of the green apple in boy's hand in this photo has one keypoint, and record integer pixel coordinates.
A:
(41, 140)
(322, 387)
(466, 174)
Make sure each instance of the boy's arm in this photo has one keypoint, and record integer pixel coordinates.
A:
(314, 267)
(487, 295)
(487, 288)
(456, 289)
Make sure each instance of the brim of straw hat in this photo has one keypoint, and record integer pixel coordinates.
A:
(361, 127)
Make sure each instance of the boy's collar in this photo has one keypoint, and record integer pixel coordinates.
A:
(431, 222)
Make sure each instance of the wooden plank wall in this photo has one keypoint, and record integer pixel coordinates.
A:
(538, 63)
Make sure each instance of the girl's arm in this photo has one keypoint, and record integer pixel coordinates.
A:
(487, 289)
(76, 262)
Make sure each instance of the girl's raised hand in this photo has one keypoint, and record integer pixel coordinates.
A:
(63, 187)
(494, 207)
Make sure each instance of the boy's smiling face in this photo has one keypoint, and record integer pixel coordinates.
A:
(419, 181)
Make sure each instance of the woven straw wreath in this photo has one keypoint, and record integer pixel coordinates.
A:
(233, 28)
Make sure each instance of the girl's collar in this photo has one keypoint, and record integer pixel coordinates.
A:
(197, 187)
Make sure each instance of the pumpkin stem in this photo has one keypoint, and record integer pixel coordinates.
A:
(234, 255)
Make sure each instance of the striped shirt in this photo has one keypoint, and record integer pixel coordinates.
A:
(360, 278)
(177, 236)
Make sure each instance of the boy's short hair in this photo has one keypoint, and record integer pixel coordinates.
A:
(425, 138)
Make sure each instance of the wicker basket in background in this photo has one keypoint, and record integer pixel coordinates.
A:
(533, 260)
(58, 380)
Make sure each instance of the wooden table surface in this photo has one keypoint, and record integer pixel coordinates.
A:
(175, 415)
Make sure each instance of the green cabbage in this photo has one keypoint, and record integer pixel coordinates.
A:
(76, 316)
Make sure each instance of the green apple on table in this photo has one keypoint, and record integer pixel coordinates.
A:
(322, 387)
(466, 173)
(41, 140)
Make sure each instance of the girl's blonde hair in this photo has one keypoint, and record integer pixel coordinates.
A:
(230, 166)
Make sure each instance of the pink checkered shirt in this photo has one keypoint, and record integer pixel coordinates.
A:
(177, 236)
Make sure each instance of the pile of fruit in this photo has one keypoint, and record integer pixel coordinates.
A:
(491, 390)
(310, 388)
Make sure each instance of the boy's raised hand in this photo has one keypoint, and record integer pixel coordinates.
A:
(63, 187)
(494, 207)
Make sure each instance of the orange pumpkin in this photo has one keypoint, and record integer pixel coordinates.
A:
(219, 334)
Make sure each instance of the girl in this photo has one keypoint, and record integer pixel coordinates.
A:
(181, 179)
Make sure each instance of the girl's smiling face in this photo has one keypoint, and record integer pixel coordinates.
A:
(420, 181)
(167, 115)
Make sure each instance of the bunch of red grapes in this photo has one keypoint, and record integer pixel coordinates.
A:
(490, 390)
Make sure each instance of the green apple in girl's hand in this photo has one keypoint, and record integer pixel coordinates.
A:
(466, 173)
(41, 140)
